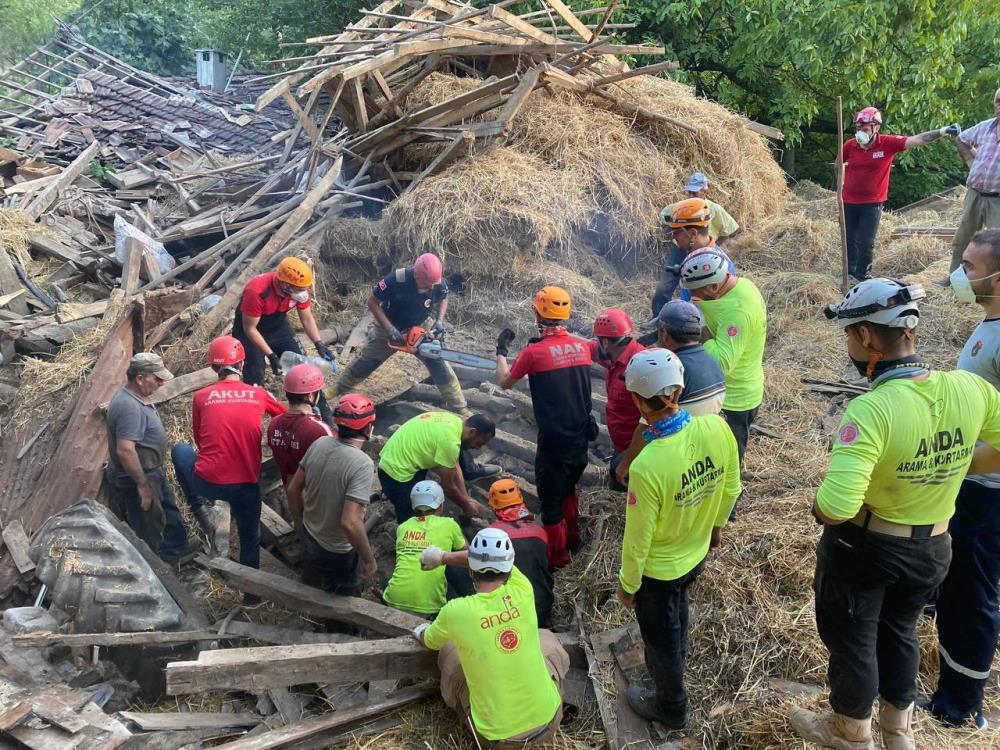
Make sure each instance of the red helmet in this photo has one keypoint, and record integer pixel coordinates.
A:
(354, 410)
(304, 379)
(226, 350)
(427, 269)
(868, 116)
(613, 324)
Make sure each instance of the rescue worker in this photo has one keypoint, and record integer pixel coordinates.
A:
(499, 671)
(327, 498)
(441, 441)
(867, 160)
(412, 589)
(723, 226)
(968, 605)
(401, 300)
(290, 434)
(681, 489)
(226, 421)
(612, 347)
(558, 369)
(899, 458)
(689, 227)
(134, 476)
(261, 322)
(736, 317)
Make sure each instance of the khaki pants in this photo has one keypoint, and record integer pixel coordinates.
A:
(455, 691)
(978, 212)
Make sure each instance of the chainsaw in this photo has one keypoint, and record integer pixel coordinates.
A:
(418, 342)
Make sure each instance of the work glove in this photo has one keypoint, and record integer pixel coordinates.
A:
(418, 632)
(504, 340)
(432, 557)
(954, 130)
(275, 362)
(323, 350)
(395, 337)
(437, 330)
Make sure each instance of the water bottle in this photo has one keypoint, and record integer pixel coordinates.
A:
(289, 359)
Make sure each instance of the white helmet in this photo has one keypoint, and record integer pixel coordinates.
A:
(491, 552)
(886, 302)
(654, 372)
(426, 494)
(704, 267)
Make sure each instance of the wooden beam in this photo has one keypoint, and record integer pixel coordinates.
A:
(765, 130)
(114, 639)
(184, 384)
(53, 248)
(570, 18)
(48, 196)
(17, 545)
(168, 720)
(312, 601)
(279, 636)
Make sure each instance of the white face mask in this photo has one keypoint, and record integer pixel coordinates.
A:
(862, 137)
(300, 297)
(961, 285)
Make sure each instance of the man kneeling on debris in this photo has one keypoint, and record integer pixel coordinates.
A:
(441, 441)
(327, 498)
(226, 421)
(681, 489)
(134, 475)
(499, 671)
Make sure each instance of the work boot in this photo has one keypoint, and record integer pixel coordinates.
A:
(481, 471)
(207, 517)
(571, 512)
(832, 730)
(644, 703)
(897, 732)
(556, 543)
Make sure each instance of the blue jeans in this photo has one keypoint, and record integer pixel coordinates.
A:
(243, 499)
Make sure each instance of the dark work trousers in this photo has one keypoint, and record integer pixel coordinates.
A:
(278, 334)
(862, 221)
(243, 499)
(968, 619)
(161, 527)
(739, 422)
(870, 590)
(336, 572)
(557, 470)
(661, 609)
(670, 277)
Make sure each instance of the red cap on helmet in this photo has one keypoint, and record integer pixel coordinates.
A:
(427, 270)
(868, 115)
(354, 410)
(226, 350)
(613, 323)
(303, 379)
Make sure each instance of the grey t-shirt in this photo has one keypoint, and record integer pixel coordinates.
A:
(131, 418)
(981, 355)
(335, 473)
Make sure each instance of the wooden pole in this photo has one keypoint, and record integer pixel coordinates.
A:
(845, 282)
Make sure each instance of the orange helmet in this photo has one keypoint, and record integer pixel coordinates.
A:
(552, 302)
(693, 212)
(295, 271)
(505, 493)
(354, 411)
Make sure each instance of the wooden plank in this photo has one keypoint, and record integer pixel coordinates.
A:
(765, 130)
(50, 193)
(155, 722)
(646, 70)
(312, 601)
(183, 385)
(114, 639)
(280, 636)
(643, 112)
(53, 249)
(570, 18)
(133, 266)
(10, 284)
(506, 17)
(17, 545)
(303, 730)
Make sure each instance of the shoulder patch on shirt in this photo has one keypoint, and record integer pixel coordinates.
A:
(632, 499)
(849, 434)
(977, 347)
(733, 331)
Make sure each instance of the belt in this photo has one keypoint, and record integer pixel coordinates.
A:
(987, 195)
(870, 522)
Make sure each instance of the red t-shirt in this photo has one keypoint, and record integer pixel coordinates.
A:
(226, 422)
(622, 416)
(866, 179)
(290, 436)
(261, 297)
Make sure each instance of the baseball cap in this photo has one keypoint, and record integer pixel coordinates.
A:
(697, 181)
(147, 363)
(678, 316)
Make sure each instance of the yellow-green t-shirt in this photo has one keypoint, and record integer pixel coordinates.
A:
(496, 634)
(427, 441)
(738, 323)
(679, 488)
(904, 448)
(721, 225)
(411, 587)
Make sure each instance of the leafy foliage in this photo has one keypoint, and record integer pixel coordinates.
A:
(28, 23)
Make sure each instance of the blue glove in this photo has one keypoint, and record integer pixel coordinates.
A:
(954, 130)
